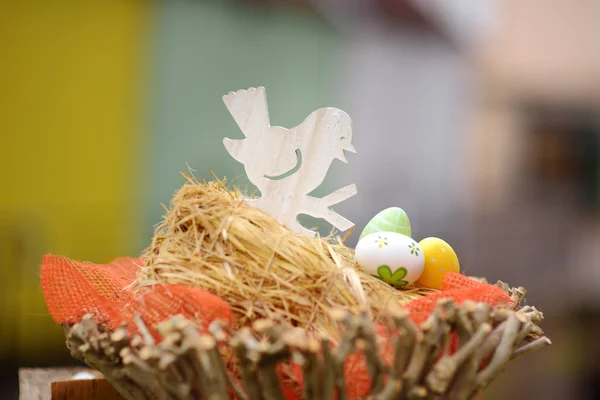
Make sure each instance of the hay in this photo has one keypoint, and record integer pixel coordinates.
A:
(211, 239)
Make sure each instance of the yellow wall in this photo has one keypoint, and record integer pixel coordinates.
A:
(71, 78)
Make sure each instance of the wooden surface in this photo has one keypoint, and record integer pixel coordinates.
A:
(89, 389)
(34, 383)
(286, 165)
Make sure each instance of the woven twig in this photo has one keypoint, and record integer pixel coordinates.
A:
(188, 365)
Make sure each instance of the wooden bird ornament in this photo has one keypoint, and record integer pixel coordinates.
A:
(307, 151)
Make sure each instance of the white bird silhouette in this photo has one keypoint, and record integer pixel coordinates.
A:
(271, 151)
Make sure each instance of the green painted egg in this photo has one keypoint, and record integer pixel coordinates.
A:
(393, 219)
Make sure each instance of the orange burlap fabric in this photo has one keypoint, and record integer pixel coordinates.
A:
(73, 289)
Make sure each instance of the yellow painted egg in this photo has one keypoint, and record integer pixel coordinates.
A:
(440, 259)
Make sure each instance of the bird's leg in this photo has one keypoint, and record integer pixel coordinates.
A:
(335, 219)
(298, 228)
(291, 221)
(339, 195)
(319, 208)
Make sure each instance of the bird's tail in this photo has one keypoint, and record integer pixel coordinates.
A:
(249, 109)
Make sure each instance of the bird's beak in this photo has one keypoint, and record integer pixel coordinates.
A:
(342, 155)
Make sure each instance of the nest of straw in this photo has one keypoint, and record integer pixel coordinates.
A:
(212, 239)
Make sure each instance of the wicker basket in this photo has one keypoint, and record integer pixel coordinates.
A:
(248, 364)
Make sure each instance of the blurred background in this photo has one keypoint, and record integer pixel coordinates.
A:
(479, 118)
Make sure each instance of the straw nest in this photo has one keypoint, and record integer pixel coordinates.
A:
(212, 239)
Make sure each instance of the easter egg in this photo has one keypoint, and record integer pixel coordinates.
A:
(393, 219)
(440, 259)
(394, 258)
